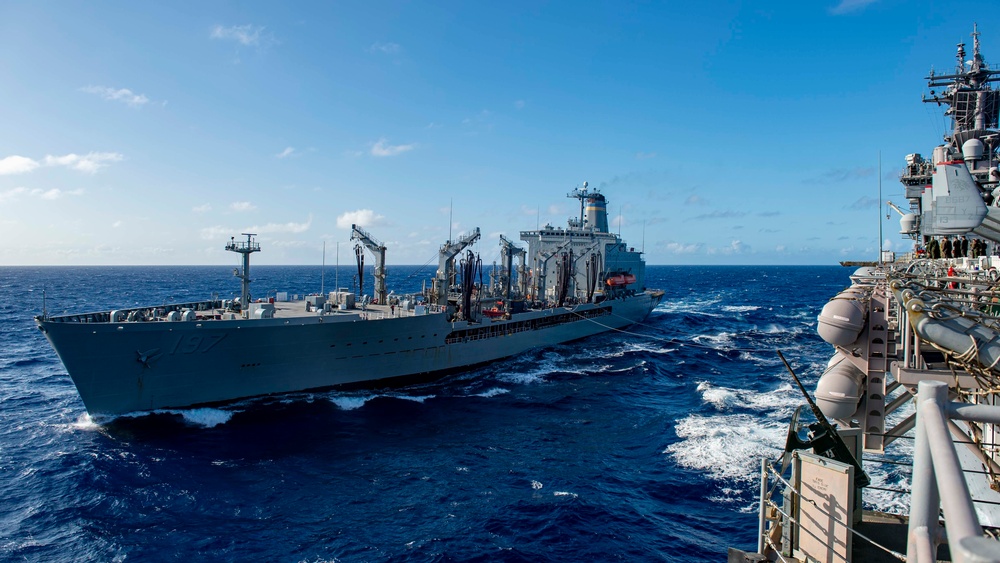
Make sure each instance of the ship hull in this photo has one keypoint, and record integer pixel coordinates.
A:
(141, 366)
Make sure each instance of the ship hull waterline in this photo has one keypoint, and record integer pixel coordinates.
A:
(128, 367)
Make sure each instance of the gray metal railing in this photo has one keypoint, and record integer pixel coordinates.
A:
(938, 483)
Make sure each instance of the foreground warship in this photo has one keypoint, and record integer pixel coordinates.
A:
(569, 283)
(912, 386)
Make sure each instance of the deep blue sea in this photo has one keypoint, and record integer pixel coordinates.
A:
(630, 446)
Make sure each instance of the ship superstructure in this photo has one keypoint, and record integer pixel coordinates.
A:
(916, 360)
(955, 190)
(569, 284)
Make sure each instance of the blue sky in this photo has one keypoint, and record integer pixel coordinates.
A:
(720, 132)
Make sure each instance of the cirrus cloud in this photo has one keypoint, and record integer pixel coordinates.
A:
(248, 35)
(242, 206)
(48, 195)
(289, 227)
(117, 95)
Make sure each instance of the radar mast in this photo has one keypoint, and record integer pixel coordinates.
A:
(246, 248)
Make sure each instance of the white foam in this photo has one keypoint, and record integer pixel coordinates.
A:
(740, 308)
(565, 494)
(414, 398)
(749, 357)
(84, 423)
(523, 378)
(349, 403)
(778, 402)
(492, 392)
(536, 485)
(694, 307)
(650, 347)
(205, 417)
(720, 339)
(727, 447)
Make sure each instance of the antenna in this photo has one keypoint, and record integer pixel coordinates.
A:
(643, 236)
(336, 271)
(322, 275)
(880, 208)
(451, 211)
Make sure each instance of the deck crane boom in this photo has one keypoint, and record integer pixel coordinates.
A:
(508, 251)
(378, 250)
(896, 207)
(446, 264)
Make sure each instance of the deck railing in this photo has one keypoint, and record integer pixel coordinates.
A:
(938, 483)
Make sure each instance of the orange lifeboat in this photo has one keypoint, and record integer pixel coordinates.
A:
(619, 280)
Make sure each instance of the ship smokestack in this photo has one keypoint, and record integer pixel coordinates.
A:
(597, 212)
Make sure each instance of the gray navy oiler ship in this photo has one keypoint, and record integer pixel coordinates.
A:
(568, 284)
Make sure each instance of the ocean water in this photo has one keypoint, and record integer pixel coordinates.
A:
(641, 445)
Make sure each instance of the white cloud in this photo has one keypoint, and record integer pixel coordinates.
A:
(694, 199)
(215, 233)
(89, 163)
(478, 123)
(289, 151)
(242, 206)
(243, 34)
(56, 193)
(848, 6)
(387, 48)
(116, 224)
(290, 227)
(204, 208)
(383, 148)
(50, 195)
(735, 247)
(361, 218)
(519, 104)
(681, 248)
(13, 194)
(644, 155)
(117, 95)
(17, 165)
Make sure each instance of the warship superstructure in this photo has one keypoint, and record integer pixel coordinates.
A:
(916, 361)
(569, 283)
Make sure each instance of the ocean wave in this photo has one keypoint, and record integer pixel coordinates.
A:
(84, 423)
(780, 399)
(740, 308)
(727, 447)
(492, 392)
(721, 339)
(203, 417)
(696, 306)
(350, 403)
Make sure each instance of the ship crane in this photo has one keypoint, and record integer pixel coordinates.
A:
(446, 264)
(896, 208)
(541, 264)
(909, 223)
(508, 251)
(593, 258)
(378, 250)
